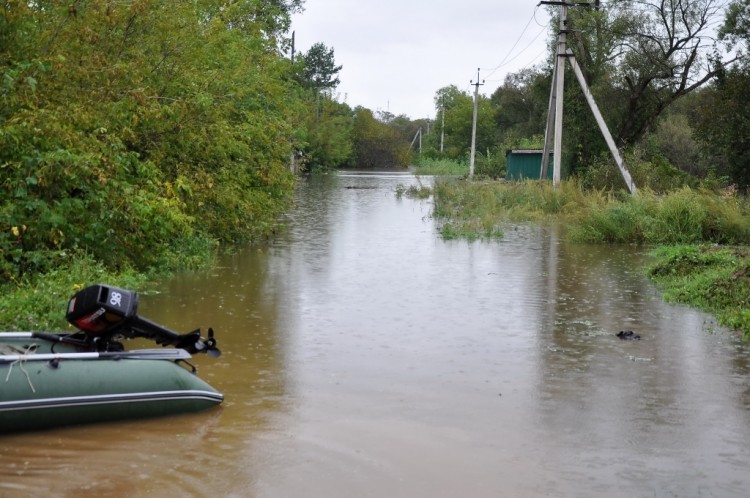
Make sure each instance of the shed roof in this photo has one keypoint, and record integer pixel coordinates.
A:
(525, 151)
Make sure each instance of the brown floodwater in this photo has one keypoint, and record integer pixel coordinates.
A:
(363, 356)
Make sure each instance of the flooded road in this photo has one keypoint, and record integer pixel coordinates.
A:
(366, 357)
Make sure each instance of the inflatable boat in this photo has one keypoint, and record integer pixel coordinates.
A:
(50, 380)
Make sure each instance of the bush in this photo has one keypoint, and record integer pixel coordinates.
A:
(654, 173)
(39, 302)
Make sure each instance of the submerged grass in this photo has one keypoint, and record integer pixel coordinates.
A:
(413, 191)
(684, 216)
(475, 210)
(703, 262)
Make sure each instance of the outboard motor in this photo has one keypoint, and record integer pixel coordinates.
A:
(101, 311)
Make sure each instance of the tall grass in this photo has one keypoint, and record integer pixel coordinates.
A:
(441, 167)
(478, 209)
(678, 217)
(684, 216)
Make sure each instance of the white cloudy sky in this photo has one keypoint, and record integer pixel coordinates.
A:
(397, 53)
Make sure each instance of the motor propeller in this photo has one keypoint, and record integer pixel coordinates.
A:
(210, 343)
(191, 342)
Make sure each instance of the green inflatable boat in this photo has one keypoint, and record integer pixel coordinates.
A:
(52, 380)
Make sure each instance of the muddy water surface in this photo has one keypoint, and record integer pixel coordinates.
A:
(364, 356)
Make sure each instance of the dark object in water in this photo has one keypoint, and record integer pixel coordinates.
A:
(628, 335)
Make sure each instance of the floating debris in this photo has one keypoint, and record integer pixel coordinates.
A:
(628, 335)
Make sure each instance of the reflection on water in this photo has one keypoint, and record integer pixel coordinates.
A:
(364, 356)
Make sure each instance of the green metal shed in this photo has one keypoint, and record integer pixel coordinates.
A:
(525, 164)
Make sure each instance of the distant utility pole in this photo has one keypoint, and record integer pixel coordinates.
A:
(442, 130)
(293, 46)
(555, 109)
(418, 134)
(474, 124)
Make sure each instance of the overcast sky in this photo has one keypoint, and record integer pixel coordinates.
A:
(397, 53)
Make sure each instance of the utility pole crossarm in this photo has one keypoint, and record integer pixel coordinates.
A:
(569, 4)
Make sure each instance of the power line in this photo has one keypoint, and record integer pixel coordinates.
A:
(506, 59)
(516, 43)
(518, 54)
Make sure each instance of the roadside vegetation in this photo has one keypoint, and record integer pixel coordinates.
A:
(40, 303)
(713, 278)
(680, 216)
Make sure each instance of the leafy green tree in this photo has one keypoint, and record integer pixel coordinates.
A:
(319, 69)
(521, 104)
(677, 139)
(327, 127)
(328, 132)
(722, 121)
(724, 125)
(132, 130)
(459, 113)
(651, 53)
(377, 145)
(736, 27)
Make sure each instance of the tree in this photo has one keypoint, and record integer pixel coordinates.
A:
(328, 135)
(736, 27)
(319, 69)
(521, 104)
(459, 112)
(377, 145)
(723, 123)
(649, 53)
(129, 129)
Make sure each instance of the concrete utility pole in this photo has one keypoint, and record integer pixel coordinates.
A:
(548, 130)
(474, 124)
(555, 109)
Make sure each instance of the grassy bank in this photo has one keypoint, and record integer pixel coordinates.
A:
(714, 279)
(39, 303)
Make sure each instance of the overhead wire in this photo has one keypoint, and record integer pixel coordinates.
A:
(508, 59)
